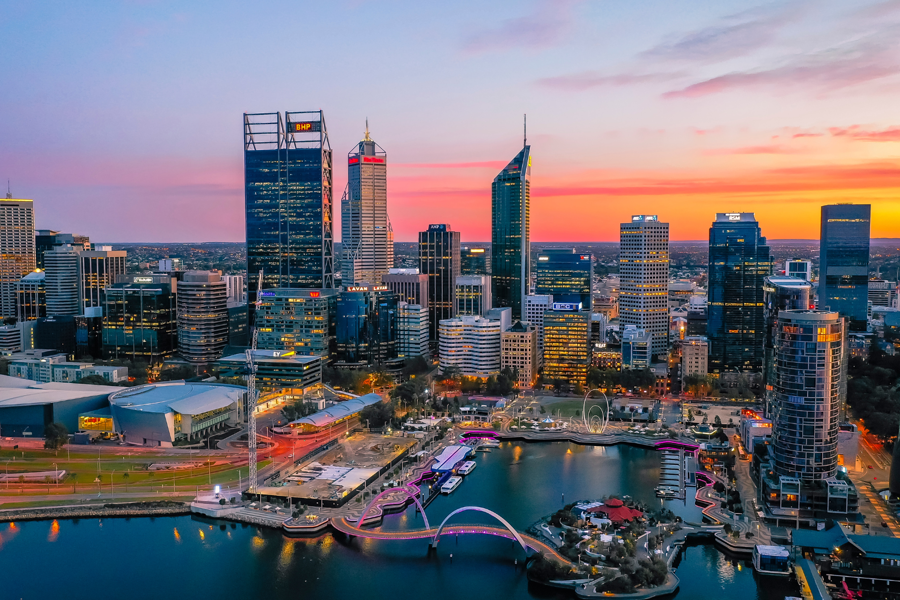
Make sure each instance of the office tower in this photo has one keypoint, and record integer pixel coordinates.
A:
(412, 330)
(439, 260)
(140, 320)
(473, 294)
(234, 287)
(475, 261)
(739, 262)
(844, 262)
(10, 340)
(567, 343)
(88, 337)
(535, 307)
(780, 293)
(798, 267)
(472, 344)
(31, 297)
(410, 284)
(637, 346)
(882, 293)
(808, 380)
(599, 323)
(202, 307)
(288, 197)
(302, 321)
(694, 357)
(99, 269)
(510, 234)
(644, 278)
(56, 332)
(47, 239)
(238, 325)
(17, 256)
(62, 281)
(367, 240)
(519, 351)
(367, 319)
(565, 275)
(170, 265)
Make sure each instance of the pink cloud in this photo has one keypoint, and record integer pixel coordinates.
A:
(855, 132)
(545, 27)
(579, 82)
(763, 149)
(489, 164)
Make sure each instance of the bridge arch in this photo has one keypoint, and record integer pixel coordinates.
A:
(512, 530)
(403, 488)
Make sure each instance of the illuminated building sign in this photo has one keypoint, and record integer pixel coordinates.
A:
(734, 216)
(305, 126)
(353, 160)
(543, 258)
(315, 294)
(437, 228)
(373, 159)
(366, 288)
(641, 218)
(567, 306)
(143, 280)
(584, 257)
(477, 250)
(267, 293)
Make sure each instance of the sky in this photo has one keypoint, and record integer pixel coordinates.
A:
(123, 120)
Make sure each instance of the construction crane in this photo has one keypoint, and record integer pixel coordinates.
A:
(252, 393)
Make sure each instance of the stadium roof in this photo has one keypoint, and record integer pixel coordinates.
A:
(326, 417)
(187, 398)
(26, 392)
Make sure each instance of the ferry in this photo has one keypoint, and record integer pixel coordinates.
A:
(491, 444)
(466, 468)
(666, 493)
(451, 485)
(771, 560)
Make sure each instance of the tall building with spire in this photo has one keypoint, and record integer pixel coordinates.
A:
(288, 199)
(366, 235)
(510, 234)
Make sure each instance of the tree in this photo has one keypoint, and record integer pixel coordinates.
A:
(717, 421)
(410, 391)
(297, 409)
(55, 436)
(93, 380)
(377, 415)
(415, 366)
(558, 386)
(177, 373)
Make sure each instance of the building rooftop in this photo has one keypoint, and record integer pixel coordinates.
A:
(182, 397)
(787, 281)
(269, 356)
(326, 417)
(25, 392)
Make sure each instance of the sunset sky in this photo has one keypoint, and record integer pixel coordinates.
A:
(123, 120)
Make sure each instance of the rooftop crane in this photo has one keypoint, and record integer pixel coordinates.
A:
(252, 393)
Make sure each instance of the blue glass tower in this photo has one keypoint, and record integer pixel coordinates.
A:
(739, 261)
(288, 199)
(565, 275)
(510, 234)
(367, 325)
(844, 262)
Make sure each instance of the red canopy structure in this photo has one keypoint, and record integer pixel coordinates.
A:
(616, 511)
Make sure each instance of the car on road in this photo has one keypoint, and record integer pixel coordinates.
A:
(870, 466)
(884, 524)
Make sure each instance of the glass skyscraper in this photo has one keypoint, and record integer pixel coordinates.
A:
(288, 198)
(844, 262)
(644, 276)
(510, 234)
(439, 259)
(367, 325)
(739, 262)
(565, 275)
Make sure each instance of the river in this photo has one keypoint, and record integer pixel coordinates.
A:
(187, 557)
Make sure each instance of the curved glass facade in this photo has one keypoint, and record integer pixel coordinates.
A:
(808, 376)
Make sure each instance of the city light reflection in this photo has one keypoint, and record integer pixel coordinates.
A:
(54, 531)
(177, 535)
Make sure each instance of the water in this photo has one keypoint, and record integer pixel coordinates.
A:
(187, 557)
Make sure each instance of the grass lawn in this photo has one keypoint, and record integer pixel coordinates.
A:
(571, 408)
(43, 503)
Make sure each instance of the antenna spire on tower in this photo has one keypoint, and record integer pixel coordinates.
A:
(525, 130)
(8, 191)
(367, 138)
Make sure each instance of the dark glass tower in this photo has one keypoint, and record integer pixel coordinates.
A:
(844, 262)
(476, 261)
(566, 276)
(439, 259)
(739, 261)
(510, 234)
(367, 325)
(288, 198)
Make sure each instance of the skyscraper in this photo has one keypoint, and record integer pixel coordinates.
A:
(473, 295)
(367, 240)
(644, 278)
(808, 380)
(202, 307)
(139, 319)
(567, 343)
(439, 260)
(410, 284)
(61, 281)
(844, 261)
(475, 261)
(739, 262)
(779, 293)
(288, 199)
(98, 270)
(367, 325)
(17, 256)
(510, 234)
(298, 320)
(565, 275)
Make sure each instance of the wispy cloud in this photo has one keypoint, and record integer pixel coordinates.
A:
(586, 80)
(735, 35)
(851, 64)
(763, 149)
(857, 133)
(489, 164)
(545, 26)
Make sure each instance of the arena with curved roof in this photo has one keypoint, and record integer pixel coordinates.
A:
(334, 414)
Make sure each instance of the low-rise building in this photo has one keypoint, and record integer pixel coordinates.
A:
(276, 370)
(412, 330)
(636, 348)
(694, 357)
(472, 344)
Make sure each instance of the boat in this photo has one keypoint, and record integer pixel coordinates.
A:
(451, 485)
(771, 560)
(491, 444)
(666, 493)
(466, 468)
